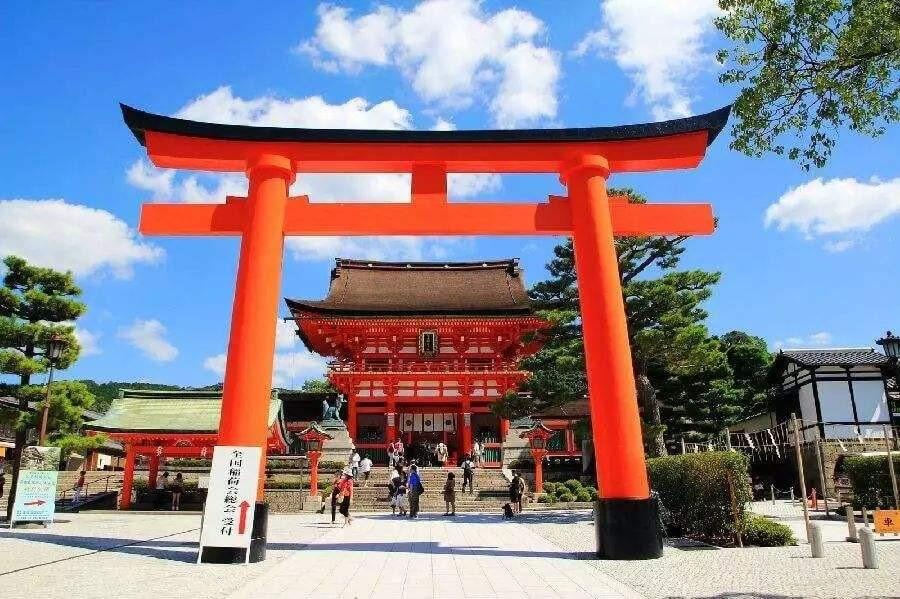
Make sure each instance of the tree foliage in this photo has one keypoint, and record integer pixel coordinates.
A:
(687, 379)
(68, 401)
(808, 68)
(35, 304)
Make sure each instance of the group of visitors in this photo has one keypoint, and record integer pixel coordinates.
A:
(404, 490)
(438, 454)
(360, 466)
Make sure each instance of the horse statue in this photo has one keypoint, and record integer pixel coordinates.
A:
(332, 412)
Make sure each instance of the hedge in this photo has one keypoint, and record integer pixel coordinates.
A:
(871, 480)
(696, 495)
(762, 532)
(571, 490)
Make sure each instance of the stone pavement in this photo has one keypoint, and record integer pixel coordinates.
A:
(700, 571)
(471, 555)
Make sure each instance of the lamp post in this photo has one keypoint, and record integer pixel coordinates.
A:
(891, 345)
(314, 437)
(55, 347)
(537, 437)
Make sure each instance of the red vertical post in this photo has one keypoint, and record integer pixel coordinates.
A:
(128, 479)
(251, 345)
(465, 427)
(154, 471)
(627, 518)
(504, 429)
(351, 418)
(390, 424)
(538, 457)
(314, 473)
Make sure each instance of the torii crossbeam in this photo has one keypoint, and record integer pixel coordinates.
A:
(583, 158)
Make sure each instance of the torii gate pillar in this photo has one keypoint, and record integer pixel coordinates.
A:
(627, 517)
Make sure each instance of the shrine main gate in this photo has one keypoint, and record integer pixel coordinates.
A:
(583, 158)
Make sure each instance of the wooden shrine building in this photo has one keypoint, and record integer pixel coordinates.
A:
(168, 424)
(421, 350)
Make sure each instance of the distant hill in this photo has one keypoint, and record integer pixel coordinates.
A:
(108, 391)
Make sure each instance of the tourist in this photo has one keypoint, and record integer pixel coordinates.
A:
(2, 482)
(476, 453)
(468, 468)
(335, 491)
(442, 454)
(159, 499)
(79, 489)
(365, 466)
(354, 464)
(400, 501)
(450, 494)
(177, 490)
(401, 451)
(516, 489)
(345, 486)
(415, 490)
(392, 454)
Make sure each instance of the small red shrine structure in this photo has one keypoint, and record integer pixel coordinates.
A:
(171, 424)
(421, 350)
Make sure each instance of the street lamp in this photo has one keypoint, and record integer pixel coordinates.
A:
(55, 346)
(891, 345)
(314, 437)
(537, 437)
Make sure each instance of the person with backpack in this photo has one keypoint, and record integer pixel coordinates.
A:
(468, 468)
(450, 494)
(415, 488)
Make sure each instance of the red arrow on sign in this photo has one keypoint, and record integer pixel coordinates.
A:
(36, 502)
(242, 522)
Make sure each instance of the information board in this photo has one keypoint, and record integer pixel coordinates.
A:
(36, 490)
(231, 498)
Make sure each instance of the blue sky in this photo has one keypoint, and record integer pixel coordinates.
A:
(822, 271)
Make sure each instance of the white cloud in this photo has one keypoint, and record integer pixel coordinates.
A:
(835, 207)
(451, 51)
(149, 337)
(223, 106)
(660, 45)
(286, 334)
(290, 370)
(66, 236)
(821, 339)
(88, 341)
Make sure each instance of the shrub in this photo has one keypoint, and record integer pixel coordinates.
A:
(763, 532)
(695, 490)
(583, 495)
(550, 487)
(573, 485)
(285, 484)
(546, 498)
(870, 480)
(565, 496)
(593, 493)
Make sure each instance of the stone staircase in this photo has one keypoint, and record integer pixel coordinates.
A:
(491, 491)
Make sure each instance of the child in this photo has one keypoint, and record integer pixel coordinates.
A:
(450, 494)
(401, 501)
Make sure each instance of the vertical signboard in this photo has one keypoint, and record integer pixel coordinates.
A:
(36, 490)
(231, 498)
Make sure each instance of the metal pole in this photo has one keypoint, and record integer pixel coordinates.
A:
(45, 414)
(800, 473)
(821, 468)
(890, 460)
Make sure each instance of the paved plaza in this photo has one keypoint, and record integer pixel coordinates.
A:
(94, 555)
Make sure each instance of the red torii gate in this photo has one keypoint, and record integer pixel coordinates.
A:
(583, 157)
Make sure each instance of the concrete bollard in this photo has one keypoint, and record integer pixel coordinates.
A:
(852, 536)
(772, 493)
(792, 495)
(865, 516)
(867, 546)
(815, 539)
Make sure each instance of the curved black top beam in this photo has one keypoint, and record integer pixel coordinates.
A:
(139, 122)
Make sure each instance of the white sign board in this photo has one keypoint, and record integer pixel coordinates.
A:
(231, 499)
(36, 490)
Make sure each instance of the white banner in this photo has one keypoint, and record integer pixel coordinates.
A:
(36, 491)
(231, 499)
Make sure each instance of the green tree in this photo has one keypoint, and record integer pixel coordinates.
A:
(318, 386)
(750, 360)
(665, 321)
(68, 401)
(35, 304)
(808, 68)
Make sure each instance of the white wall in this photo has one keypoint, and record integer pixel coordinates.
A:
(871, 406)
(808, 410)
